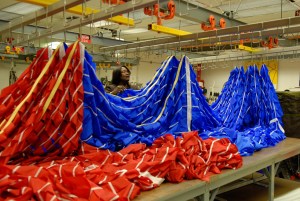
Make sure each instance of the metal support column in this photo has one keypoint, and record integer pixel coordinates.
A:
(271, 182)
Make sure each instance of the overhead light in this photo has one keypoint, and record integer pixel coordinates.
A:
(53, 45)
(100, 23)
(134, 31)
(117, 38)
(22, 8)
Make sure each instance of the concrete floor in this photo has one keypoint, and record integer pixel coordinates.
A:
(285, 190)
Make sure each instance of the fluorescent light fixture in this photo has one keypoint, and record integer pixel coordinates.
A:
(22, 8)
(117, 54)
(117, 38)
(134, 31)
(100, 24)
(53, 45)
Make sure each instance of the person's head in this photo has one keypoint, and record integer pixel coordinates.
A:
(204, 91)
(121, 75)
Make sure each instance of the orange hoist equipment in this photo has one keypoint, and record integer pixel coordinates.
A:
(113, 1)
(161, 15)
(222, 23)
(212, 24)
(270, 43)
(242, 41)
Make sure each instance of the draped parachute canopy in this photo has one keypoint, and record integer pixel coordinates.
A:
(172, 102)
(62, 137)
(58, 127)
(247, 112)
(249, 107)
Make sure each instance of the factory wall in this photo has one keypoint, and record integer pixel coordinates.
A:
(214, 75)
(5, 67)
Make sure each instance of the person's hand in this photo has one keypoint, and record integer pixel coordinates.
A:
(118, 89)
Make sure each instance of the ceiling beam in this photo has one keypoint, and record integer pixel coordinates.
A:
(67, 36)
(105, 14)
(40, 14)
(101, 58)
(275, 53)
(194, 13)
(232, 33)
(217, 42)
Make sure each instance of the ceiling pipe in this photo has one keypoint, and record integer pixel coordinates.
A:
(237, 32)
(199, 14)
(216, 41)
(67, 36)
(276, 52)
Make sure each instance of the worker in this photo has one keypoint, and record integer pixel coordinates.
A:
(204, 92)
(119, 82)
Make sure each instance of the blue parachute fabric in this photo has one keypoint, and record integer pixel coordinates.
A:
(227, 91)
(248, 105)
(247, 111)
(172, 102)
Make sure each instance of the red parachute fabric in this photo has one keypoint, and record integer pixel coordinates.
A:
(13, 94)
(42, 158)
(95, 174)
(38, 128)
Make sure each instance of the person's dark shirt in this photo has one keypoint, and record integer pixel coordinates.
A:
(110, 87)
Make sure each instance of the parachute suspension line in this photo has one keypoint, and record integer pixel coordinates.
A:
(12, 73)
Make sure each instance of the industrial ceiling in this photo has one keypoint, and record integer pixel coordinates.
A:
(36, 23)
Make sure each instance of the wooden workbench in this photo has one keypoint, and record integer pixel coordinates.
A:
(265, 159)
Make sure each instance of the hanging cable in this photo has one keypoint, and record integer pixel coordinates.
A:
(64, 16)
(91, 32)
(12, 73)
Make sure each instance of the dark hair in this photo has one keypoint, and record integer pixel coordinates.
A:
(116, 76)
